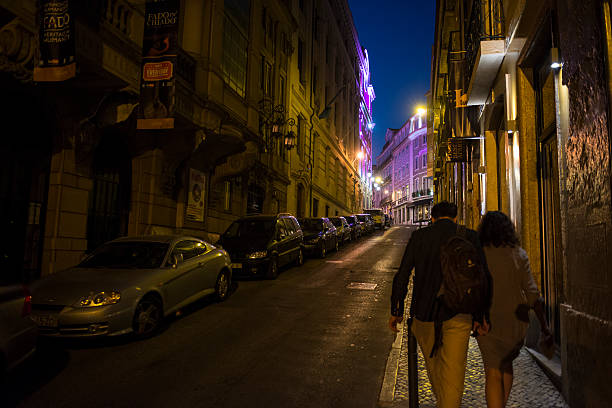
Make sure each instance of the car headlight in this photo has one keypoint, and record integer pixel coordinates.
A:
(257, 254)
(99, 299)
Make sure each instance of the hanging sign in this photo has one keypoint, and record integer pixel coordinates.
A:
(56, 51)
(457, 150)
(159, 53)
(195, 196)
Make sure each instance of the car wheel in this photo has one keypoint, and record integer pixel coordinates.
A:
(300, 258)
(323, 250)
(337, 247)
(222, 286)
(148, 317)
(272, 268)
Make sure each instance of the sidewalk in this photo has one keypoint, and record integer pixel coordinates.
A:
(531, 387)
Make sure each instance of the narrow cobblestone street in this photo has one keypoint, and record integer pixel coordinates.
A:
(531, 387)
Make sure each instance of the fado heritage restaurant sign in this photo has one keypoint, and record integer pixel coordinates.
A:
(159, 49)
(56, 61)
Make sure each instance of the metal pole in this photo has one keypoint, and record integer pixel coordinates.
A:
(413, 372)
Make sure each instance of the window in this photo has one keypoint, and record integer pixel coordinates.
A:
(282, 90)
(315, 207)
(188, 249)
(300, 136)
(266, 77)
(300, 60)
(424, 139)
(416, 162)
(227, 202)
(301, 4)
(424, 161)
(234, 57)
(289, 225)
(280, 228)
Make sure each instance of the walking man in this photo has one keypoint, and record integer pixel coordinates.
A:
(444, 347)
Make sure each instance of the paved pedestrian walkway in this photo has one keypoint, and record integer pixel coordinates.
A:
(531, 387)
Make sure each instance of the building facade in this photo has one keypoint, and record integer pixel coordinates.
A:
(253, 77)
(405, 189)
(519, 121)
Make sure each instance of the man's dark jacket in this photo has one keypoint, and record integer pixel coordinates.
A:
(423, 254)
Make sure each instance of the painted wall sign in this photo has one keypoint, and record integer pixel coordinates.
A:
(195, 196)
(56, 52)
(159, 53)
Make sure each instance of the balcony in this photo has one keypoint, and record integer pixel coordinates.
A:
(422, 193)
(485, 48)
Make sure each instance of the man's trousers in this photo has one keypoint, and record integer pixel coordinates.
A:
(446, 369)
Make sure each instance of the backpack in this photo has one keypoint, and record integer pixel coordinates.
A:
(465, 285)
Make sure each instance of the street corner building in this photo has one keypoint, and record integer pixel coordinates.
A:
(519, 121)
(154, 117)
(405, 190)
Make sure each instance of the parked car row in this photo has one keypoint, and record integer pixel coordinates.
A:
(130, 284)
(261, 244)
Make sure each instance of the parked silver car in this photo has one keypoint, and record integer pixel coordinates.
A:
(17, 331)
(129, 285)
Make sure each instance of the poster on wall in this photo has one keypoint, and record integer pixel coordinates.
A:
(159, 53)
(56, 51)
(195, 196)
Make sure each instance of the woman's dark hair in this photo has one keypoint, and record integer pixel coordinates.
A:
(496, 229)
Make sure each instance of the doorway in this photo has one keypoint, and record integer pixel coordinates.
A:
(109, 202)
(25, 151)
(300, 201)
(548, 178)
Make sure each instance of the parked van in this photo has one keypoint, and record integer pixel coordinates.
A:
(377, 216)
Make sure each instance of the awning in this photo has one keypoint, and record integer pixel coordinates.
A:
(216, 148)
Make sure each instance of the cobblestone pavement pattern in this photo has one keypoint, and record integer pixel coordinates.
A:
(531, 387)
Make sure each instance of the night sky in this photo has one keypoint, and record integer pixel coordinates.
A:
(398, 35)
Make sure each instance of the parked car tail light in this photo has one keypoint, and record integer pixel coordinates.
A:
(27, 302)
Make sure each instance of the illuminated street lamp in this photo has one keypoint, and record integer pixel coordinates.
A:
(273, 121)
(421, 111)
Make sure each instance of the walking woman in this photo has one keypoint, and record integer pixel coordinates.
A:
(514, 292)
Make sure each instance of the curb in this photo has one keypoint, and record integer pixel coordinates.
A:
(387, 392)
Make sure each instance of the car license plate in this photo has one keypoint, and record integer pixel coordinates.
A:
(45, 320)
(236, 266)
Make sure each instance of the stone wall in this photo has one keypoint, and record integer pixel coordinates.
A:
(586, 208)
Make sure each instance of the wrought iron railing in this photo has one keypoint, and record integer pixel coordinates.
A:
(486, 23)
(422, 193)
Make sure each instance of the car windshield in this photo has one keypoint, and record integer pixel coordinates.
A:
(127, 254)
(361, 218)
(312, 224)
(350, 219)
(336, 221)
(250, 229)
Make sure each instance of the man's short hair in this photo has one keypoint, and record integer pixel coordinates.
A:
(444, 209)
